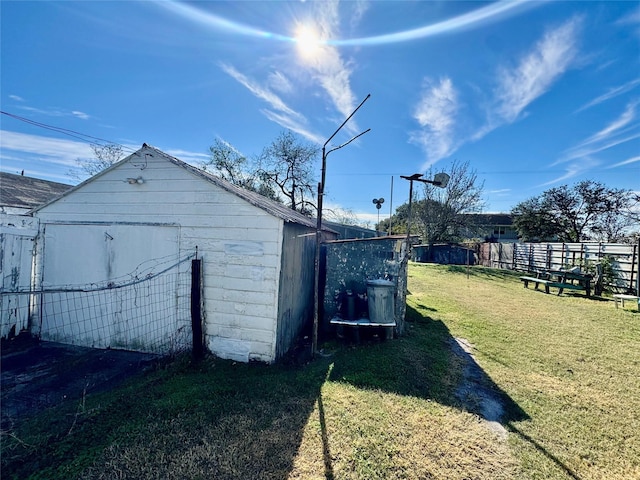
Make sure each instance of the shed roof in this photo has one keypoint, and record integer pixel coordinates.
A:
(28, 192)
(272, 207)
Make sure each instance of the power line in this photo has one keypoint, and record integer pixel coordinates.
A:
(65, 131)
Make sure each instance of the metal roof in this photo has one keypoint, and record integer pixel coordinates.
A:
(270, 206)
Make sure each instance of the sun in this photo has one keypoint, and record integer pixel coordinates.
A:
(308, 41)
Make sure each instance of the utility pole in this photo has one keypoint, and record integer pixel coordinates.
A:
(439, 180)
(316, 288)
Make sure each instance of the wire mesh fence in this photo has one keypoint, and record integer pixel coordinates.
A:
(148, 311)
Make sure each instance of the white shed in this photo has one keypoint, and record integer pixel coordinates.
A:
(151, 209)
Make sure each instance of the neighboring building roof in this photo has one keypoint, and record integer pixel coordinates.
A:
(272, 207)
(19, 191)
(490, 218)
(350, 231)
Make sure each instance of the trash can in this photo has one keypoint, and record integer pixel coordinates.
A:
(381, 301)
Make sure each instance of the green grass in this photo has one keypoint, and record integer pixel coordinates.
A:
(570, 363)
(566, 368)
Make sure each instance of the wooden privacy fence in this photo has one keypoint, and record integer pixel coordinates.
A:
(535, 257)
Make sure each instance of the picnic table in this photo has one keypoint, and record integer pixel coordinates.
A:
(568, 279)
(560, 279)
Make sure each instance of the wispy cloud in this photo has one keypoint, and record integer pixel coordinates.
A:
(327, 66)
(46, 149)
(632, 18)
(582, 157)
(193, 158)
(435, 113)
(279, 111)
(16, 98)
(574, 169)
(261, 92)
(628, 161)
(46, 157)
(611, 93)
(279, 82)
(55, 112)
(80, 115)
(619, 131)
(537, 71)
(360, 7)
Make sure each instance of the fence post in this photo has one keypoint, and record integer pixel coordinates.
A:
(635, 262)
(196, 309)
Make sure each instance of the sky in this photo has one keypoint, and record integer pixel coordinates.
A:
(532, 95)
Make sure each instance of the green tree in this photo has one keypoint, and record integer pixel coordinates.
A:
(587, 211)
(398, 221)
(534, 220)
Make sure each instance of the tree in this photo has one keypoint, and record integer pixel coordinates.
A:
(534, 220)
(398, 221)
(104, 157)
(229, 164)
(439, 216)
(287, 165)
(587, 211)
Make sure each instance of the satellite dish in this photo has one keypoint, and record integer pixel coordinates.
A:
(441, 179)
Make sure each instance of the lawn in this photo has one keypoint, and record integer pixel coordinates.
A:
(565, 369)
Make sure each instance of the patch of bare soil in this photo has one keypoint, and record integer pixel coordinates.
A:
(476, 391)
(37, 375)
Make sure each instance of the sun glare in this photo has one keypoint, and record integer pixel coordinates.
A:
(308, 41)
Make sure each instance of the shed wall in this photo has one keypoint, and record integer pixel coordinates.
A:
(240, 244)
(295, 297)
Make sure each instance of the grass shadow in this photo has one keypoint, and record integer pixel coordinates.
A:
(428, 363)
(479, 271)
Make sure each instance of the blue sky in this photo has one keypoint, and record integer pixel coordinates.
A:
(532, 94)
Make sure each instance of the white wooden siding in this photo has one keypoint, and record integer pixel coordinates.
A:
(240, 244)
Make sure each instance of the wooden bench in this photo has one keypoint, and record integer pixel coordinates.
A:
(621, 297)
(566, 286)
(537, 281)
(363, 322)
(550, 283)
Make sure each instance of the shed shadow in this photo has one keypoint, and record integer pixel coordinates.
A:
(241, 420)
(443, 370)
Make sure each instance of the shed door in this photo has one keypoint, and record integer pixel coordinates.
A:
(122, 303)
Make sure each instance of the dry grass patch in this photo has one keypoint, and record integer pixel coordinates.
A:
(378, 435)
